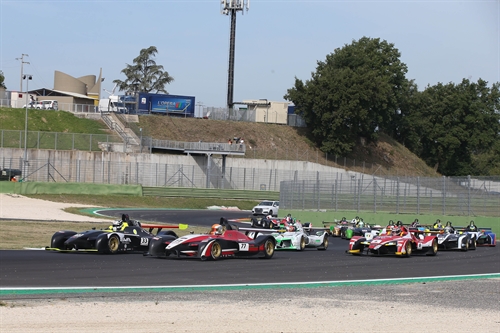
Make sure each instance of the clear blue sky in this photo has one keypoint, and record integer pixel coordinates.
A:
(276, 41)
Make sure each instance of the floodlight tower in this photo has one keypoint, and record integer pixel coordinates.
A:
(231, 7)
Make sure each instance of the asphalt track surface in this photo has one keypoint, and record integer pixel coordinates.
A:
(43, 269)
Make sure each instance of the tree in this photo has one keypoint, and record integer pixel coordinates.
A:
(355, 92)
(455, 128)
(144, 75)
(2, 80)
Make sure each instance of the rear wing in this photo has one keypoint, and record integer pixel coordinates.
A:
(151, 227)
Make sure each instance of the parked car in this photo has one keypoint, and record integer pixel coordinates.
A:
(267, 207)
(48, 105)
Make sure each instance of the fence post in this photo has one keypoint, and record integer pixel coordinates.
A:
(444, 195)
(318, 189)
(468, 195)
(397, 195)
(374, 194)
(418, 195)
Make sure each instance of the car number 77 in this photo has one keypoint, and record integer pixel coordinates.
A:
(244, 246)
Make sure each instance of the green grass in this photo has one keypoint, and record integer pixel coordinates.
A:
(49, 121)
(48, 129)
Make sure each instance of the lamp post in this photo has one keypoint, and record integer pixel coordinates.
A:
(140, 129)
(26, 77)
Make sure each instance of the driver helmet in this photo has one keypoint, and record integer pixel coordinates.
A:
(117, 225)
(216, 229)
(361, 224)
(415, 223)
(391, 222)
(471, 223)
(269, 217)
(399, 223)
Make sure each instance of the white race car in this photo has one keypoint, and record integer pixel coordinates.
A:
(294, 237)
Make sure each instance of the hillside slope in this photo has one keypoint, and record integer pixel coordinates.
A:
(272, 141)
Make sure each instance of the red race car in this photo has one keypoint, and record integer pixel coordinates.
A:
(400, 241)
(224, 240)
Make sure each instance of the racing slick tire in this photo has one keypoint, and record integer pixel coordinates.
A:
(408, 249)
(269, 246)
(465, 246)
(215, 251)
(434, 248)
(473, 243)
(302, 244)
(324, 246)
(255, 223)
(113, 244)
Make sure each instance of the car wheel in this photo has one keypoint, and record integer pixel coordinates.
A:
(269, 249)
(434, 248)
(216, 250)
(408, 249)
(113, 243)
(324, 246)
(302, 245)
(473, 243)
(465, 246)
(255, 223)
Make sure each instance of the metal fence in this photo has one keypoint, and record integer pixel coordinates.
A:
(56, 140)
(470, 196)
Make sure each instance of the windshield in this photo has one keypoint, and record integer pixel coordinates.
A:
(266, 203)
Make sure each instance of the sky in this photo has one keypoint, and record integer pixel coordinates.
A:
(276, 41)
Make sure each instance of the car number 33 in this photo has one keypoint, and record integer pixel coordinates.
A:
(144, 241)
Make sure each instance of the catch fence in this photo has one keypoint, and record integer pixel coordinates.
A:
(304, 190)
(469, 196)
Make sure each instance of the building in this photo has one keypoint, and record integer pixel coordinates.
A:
(72, 94)
(268, 111)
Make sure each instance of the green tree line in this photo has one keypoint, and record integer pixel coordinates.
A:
(361, 89)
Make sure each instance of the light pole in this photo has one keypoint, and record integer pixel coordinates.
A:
(26, 77)
(140, 129)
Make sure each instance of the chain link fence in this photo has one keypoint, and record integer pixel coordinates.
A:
(470, 196)
(56, 140)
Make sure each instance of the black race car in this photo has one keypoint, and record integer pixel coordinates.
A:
(122, 236)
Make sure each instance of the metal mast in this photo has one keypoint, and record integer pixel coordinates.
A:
(232, 7)
(22, 75)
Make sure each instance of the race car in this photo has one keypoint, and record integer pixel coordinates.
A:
(294, 236)
(401, 241)
(223, 241)
(335, 228)
(484, 236)
(122, 236)
(456, 241)
(451, 239)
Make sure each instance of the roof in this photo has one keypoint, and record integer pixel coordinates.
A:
(52, 92)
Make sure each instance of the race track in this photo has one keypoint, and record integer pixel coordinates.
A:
(36, 269)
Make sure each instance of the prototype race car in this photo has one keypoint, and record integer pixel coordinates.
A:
(224, 240)
(484, 236)
(124, 235)
(456, 241)
(293, 236)
(397, 241)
